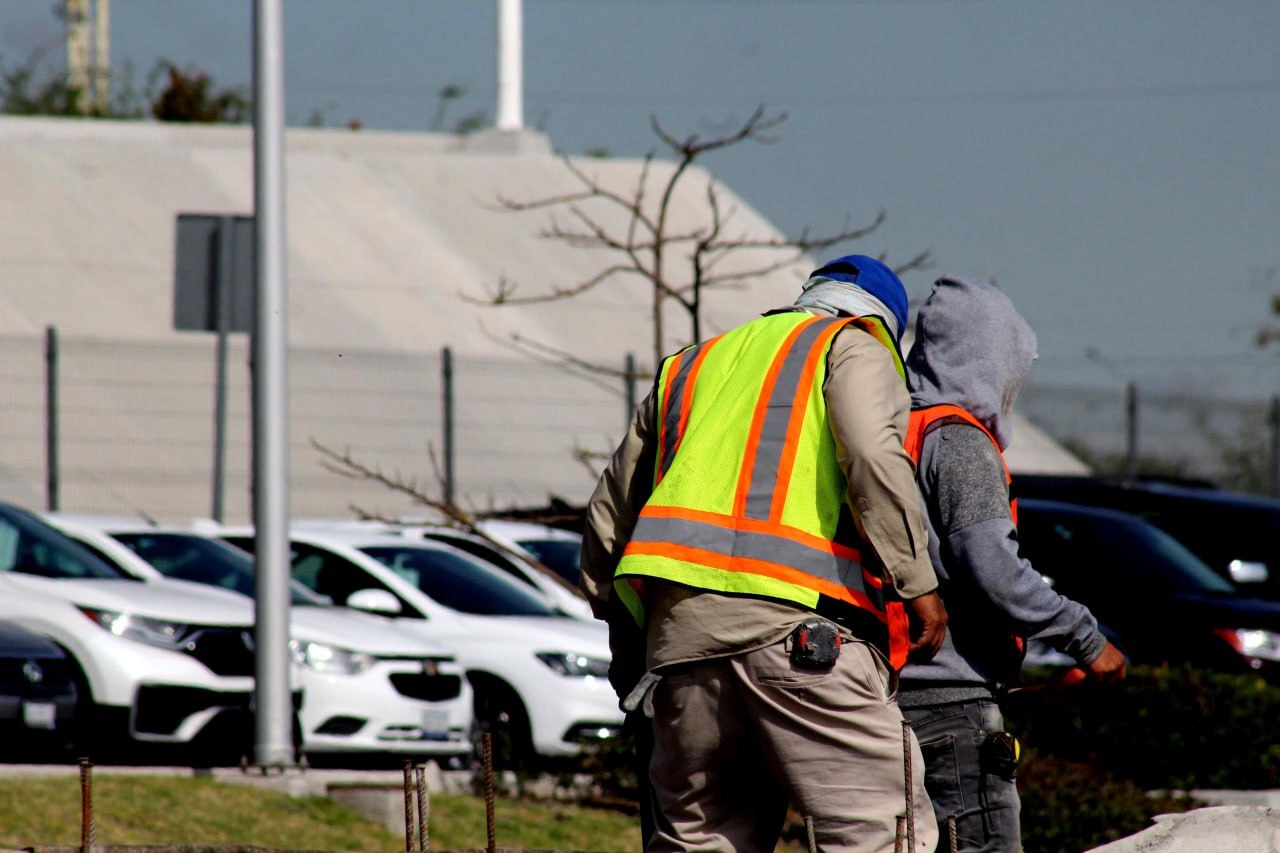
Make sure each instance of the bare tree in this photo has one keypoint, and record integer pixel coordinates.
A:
(643, 246)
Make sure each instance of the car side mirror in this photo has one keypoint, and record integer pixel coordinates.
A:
(1248, 571)
(374, 601)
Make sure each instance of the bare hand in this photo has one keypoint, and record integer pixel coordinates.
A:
(1107, 667)
(927, 618)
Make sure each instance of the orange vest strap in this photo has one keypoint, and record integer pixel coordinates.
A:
(923, 419)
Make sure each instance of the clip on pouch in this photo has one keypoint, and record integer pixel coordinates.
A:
(815, 644)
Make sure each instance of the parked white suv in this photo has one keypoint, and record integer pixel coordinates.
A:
(160, 666)
(370, 690)
(507, 556)
(540, 677)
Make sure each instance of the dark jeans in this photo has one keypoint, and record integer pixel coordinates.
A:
(985, 803)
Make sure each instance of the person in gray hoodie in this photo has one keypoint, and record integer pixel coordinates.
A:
(972, 352)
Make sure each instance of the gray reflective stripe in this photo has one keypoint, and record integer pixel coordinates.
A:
(777, 418)
(671, 435)
(757, 546)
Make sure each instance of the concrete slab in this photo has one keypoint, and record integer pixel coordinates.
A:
(1255, 829)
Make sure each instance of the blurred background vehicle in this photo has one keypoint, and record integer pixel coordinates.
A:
(163, 670)
(372, 693)
(1237, 534)
(510, 558)
(37, 699)
(1161, 601)
(540, 678)
(555, 548)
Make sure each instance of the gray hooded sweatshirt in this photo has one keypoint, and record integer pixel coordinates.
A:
(973, 350)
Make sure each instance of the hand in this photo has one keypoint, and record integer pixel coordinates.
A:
(1107, 667)
(927, 618)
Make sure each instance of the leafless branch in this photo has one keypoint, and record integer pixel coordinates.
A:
(345, 465)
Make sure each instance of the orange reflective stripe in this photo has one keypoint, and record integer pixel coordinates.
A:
(751, 525)
(757, 419)
(899, 633)
(678, 389)
(747, 565)
(799, 405)
(686, 397)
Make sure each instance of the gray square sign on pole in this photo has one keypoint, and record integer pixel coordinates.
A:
(214, 273)
(214, 291)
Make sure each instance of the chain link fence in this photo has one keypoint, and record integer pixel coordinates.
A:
(1131, 430)
(128, 428)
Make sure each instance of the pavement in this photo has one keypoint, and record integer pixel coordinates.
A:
(1230, 829)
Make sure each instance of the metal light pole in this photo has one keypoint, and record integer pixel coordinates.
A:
(274, 718)
(510, 60)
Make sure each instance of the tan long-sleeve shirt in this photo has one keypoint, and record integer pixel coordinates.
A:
(868, 406)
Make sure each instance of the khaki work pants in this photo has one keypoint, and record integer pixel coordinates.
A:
(737, 739)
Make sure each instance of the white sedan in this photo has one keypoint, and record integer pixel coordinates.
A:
(540, 677)
(370, 689)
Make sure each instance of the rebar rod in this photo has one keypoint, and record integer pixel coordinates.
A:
(424, 807)
(906, 770)
(408, 806)
(490, 829)
(88, 832)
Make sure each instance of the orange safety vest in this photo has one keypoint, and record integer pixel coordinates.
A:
(921, 421)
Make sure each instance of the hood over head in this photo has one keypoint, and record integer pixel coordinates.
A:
(859, 286)
(973, 350)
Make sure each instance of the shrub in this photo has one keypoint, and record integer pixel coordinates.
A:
(1161, 728)
(1069, 806)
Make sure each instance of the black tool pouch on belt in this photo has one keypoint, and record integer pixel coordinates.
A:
(999, 753)
(815, 644)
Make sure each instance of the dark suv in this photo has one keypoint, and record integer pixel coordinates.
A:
(1237, 534)
(1160, 602)
(37, 698)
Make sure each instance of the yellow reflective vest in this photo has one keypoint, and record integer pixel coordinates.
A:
(748, 496)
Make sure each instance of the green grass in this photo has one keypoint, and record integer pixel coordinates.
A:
(176, 810)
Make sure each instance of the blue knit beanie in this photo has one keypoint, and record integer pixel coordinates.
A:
(873, 277)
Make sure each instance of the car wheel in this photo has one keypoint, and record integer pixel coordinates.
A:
(500, 713)
(89, 736)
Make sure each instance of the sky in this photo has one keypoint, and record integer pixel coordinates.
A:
(1113, 166)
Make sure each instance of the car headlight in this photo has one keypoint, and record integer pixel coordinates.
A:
(577, 666)
(153, 632)
(325, 658)
(1253, 642)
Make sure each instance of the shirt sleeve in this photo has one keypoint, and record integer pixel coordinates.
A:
(968, 499)
(615, 505)
(868, 405)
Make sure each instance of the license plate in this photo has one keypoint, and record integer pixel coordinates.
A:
(39, 715)
(435, 725)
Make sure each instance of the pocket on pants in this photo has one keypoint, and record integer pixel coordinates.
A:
(942, 775)
(791, 679)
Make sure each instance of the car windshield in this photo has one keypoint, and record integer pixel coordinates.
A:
(1103, 554)
(459, 582)
(191, 557)
(559, 555)
(31, 547)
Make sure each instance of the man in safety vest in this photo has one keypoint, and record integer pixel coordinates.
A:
(972, 351)
(758, 547)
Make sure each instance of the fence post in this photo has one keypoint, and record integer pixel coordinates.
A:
(446, 378)
(1275, 445)
(52, 499)
(1131, 434)
(629, 380)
